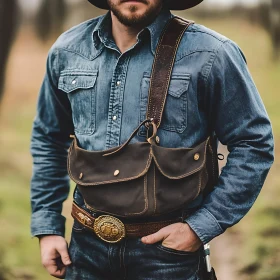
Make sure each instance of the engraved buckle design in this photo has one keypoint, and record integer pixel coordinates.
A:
(84, 219)
(109, 229)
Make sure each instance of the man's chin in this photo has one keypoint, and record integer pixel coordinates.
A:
(134, 21)
(133, 18)
(134, 13)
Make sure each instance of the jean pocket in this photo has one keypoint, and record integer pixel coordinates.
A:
(175, 111)
(176, 252)
(77, 227)
(190, 261)
(81, 90)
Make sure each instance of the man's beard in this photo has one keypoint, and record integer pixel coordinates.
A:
(135, 20)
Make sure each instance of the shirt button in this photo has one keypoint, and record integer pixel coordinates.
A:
(118, 83)
(114, 118)
(74, 82)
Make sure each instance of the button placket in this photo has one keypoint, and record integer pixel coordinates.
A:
(116, 103)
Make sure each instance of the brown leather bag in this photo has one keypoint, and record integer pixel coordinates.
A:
(145, 179)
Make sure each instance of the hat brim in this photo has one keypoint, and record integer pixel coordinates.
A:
(172, 5)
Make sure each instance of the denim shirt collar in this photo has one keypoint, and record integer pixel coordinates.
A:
(102, 33)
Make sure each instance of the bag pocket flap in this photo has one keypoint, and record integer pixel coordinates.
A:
(180, 162)
(70, 81)
(90, 168)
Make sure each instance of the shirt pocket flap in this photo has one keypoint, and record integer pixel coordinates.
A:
(179, 84)
(71, 81)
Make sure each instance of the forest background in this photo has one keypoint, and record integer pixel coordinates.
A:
(28, 28)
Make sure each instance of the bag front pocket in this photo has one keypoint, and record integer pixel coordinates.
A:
(81, 91)
(128, 198)
(138, 179)
(175, 112)
(115, 184)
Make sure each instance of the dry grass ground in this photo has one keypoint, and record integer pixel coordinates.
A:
(251, 246)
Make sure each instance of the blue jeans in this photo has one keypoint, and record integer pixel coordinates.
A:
(94, 259)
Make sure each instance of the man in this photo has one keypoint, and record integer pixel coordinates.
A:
(96, 87)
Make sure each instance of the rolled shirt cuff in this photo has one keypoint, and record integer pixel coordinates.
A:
(205, 225)
(47, 223)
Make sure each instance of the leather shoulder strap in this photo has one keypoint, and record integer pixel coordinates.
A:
(163, 65)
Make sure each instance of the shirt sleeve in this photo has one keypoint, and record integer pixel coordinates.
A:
(49, 146)
(237, 114)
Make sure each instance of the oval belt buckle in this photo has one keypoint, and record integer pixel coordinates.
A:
(109, 229)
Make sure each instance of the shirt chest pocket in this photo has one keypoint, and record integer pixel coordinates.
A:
(81, 90)
(175, 111)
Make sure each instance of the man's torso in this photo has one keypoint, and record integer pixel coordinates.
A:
(108, 91)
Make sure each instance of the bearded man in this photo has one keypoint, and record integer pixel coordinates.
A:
(96, 87)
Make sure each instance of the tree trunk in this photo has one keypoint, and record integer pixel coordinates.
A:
(50, 18)
(8, 16)
(275, 27)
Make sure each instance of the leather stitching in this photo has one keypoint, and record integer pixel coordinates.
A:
(199, 184)
(145, 196)
(213, 160)
(128, 214)
(102, 182)
(155, 198)
(186, 174)
(151, 105)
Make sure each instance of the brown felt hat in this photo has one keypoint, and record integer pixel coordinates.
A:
(171, 4)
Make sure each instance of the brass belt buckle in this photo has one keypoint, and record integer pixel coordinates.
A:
(109, 229)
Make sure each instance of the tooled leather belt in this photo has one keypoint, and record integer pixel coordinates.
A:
(112, 230)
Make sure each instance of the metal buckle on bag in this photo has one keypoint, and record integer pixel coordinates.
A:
(109, 229)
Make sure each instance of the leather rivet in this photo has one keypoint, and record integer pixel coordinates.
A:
(81, 176)
(196, 156)
(157, 139)
(117, 172)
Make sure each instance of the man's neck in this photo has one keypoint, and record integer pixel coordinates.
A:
(125, 36)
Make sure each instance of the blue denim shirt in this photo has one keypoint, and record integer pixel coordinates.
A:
(100, 94)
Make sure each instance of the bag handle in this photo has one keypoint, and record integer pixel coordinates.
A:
(162, 67)
(151, 139)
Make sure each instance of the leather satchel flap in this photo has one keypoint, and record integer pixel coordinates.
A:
(89, 168)
(180, 162)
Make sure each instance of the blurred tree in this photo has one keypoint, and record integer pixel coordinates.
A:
(275, 26)
(269, 15)
(8, 16)
(50, 18)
